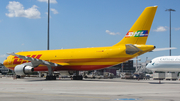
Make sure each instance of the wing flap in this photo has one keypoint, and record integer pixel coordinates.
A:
(63, 64)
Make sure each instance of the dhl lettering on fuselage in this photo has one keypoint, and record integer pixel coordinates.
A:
(20, 61)
(140, 33)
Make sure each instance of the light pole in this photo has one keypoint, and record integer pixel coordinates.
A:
(48, 26)
(170, 30)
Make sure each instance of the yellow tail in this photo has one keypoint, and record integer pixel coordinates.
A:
(139, 32)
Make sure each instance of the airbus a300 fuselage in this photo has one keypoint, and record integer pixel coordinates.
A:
(78, 59)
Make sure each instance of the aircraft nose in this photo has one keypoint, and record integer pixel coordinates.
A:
(148, 65)
(5, 62)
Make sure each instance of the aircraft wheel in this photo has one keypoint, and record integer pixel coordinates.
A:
(18, 76)
(77, 78)
(50, 77)
(54, 77)
(47, 77)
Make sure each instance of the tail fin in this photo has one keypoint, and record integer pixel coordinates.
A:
(139, 32)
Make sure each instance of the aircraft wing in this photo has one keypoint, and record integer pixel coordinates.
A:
(35, 61)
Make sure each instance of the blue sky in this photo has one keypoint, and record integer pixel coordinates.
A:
(82, 23)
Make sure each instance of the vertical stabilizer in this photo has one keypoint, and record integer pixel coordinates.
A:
(139, 32)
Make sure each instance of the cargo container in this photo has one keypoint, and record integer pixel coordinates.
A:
(158, 76)
(171, 76)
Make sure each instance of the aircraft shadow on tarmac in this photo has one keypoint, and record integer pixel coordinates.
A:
(136, 81)
(164, 82)
(103, 80)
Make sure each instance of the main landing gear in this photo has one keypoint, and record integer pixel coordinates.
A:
(51, 77)
(50, 72)
(77, 77)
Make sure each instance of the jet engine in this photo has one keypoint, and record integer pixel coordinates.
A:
(23, 69)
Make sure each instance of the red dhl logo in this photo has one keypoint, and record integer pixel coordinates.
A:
(20, 61)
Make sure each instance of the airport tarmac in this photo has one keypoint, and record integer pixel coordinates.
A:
(38, 89)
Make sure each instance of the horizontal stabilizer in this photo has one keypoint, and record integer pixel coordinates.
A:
(131, 49)
(161, 49)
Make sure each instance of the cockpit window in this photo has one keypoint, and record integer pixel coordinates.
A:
(150, 61)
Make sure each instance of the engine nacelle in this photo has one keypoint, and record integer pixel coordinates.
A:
(23, 69)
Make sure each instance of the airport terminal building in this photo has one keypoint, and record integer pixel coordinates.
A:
(124, 67)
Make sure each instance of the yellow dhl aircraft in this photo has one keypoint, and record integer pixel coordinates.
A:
(80, 59)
